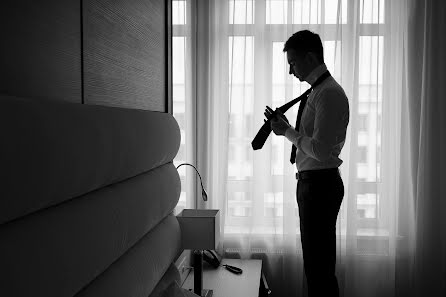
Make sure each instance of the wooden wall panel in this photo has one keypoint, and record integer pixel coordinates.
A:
(125, 53)
(40, 51)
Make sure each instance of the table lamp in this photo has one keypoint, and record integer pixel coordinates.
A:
(200, 230)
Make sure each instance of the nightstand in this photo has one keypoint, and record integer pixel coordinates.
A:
(225, 283)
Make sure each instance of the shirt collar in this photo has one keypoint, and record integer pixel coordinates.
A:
(314, 75)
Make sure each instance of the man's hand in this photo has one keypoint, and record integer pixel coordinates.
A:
(279, 122)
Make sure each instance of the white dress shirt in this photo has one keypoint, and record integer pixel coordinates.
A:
(323, 125)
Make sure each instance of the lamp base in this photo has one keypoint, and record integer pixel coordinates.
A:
(198, 275)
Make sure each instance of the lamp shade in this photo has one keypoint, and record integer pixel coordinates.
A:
(200, 228)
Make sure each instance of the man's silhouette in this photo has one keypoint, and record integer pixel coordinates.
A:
(317, 139)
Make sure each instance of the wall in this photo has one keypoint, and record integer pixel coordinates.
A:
(113, 53)
(41, 49)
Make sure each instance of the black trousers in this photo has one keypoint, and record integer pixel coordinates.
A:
(319, 197)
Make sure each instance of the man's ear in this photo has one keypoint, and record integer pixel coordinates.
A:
(312, 57)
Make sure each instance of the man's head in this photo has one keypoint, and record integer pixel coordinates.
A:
(304, 53)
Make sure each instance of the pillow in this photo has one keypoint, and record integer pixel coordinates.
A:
(174, 291)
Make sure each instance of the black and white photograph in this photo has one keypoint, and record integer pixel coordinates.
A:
(223, 148)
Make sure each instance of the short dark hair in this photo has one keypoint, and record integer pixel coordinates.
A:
(304, 42)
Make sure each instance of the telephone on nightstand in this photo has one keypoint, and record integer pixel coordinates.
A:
(215, 261)
(212, 258)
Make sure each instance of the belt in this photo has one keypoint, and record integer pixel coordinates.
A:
(319, 173)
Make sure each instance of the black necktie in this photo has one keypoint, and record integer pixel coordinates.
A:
(301, 110)
(302, 104)
(261, 136)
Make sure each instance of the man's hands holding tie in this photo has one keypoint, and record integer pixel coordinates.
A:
(279, 122)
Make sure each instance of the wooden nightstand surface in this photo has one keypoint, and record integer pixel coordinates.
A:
(227, 284)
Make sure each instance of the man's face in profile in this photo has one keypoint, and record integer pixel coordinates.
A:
(298, 64)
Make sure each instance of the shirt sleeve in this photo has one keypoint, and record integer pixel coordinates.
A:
(331, 115)
(292, 135)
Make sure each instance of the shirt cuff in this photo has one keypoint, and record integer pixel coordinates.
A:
(292, 135)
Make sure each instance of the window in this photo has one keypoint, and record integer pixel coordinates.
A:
(282, 88)
(245, 46)
(305, 12)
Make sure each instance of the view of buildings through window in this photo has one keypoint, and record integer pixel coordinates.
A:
(366, 112)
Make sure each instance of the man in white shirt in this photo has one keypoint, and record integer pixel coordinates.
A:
(317, 142)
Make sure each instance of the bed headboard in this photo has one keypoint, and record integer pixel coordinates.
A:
(87, 194)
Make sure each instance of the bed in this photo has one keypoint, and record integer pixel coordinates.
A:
(87, 199)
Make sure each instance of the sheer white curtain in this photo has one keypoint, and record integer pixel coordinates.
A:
(425, 130)
(246, 70)
(237, 67)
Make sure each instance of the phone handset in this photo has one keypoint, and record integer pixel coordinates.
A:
(215, 261)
